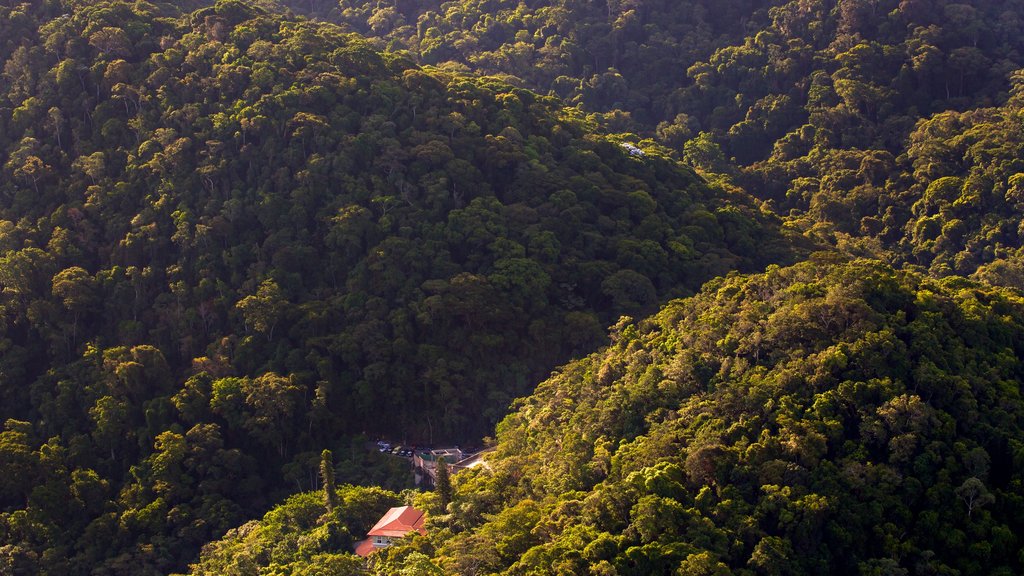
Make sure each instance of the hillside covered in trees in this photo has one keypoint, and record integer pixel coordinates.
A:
(847, 115)
(832, 417)
(234, 234)
(628, 57)
(301, 536)
(231, 238)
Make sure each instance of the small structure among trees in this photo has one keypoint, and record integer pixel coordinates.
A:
(424, 463)
(396, 523)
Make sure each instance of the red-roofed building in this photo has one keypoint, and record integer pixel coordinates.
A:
(397, 523)
(365, 547)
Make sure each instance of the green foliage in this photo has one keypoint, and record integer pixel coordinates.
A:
(833, 417)
(327, 478)
(444, 483)
(232, 238)
(299, 537)
(871, 125)
(602, 56)
(825, 109)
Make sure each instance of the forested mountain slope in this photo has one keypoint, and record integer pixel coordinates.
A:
(231, 239)
(828, 418)
(628, 56)
(812, 104)
(963, 184)
(301, 537)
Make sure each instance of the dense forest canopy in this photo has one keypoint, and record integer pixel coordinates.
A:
(234, 234)
(627, 56)
(822, 107)
(303, 537)
(231, 238)
(250, 176)
(832, 417)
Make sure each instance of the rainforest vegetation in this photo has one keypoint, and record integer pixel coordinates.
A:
(847, 115)
(832, 417)
(235, 234)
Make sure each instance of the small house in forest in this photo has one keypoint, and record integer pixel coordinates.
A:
(396, 523)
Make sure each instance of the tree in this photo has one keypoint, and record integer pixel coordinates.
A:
(702, 564)
(111, 418)
(974, 494)
(704, 153)
(630, 291)
(443, 485)
(773, 556)
(77, 291)
(419, 564)
(327, 477)
(113, 42)
(271, 401)
(93, 165)
(29, 168)
(263, 309)
(17, 462)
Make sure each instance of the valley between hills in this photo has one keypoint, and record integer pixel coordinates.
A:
(720, 288)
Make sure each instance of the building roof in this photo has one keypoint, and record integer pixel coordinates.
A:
(398, 522)
(451, 455)
(472, 461)
(365, 547)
